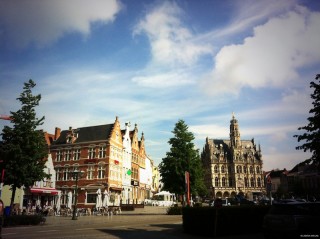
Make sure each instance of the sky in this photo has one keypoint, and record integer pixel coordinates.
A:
(155, 62)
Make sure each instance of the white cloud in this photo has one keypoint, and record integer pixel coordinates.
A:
(45, 21)
(272, 57)
(171, 42)
(163, 80)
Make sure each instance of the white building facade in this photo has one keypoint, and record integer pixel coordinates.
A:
(126, 196)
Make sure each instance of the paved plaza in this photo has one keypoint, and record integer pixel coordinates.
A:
(148, 222)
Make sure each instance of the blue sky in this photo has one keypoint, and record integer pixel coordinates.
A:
(155, 62)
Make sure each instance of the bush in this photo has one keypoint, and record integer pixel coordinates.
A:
(211, 221)
(17, 220)
(175, 210)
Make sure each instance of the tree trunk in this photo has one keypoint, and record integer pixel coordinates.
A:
(12, 198)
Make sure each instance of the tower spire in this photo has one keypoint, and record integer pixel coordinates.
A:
(234, 132)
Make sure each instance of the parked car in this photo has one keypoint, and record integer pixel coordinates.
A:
(219, 202)
(292, 220)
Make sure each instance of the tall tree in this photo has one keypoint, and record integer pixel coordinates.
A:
(182, 157)
(311, 136)
(23, 150)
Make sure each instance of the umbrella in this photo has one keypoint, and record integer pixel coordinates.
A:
(58, 204)
(69, 203)
(99, 199)
(38, 203)
(163, 193)
(106, 198)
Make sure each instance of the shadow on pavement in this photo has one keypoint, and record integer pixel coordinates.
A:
(156, 231)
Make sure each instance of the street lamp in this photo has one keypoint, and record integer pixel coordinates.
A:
(76, 174)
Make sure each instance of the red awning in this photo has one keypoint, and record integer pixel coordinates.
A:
(51, 191)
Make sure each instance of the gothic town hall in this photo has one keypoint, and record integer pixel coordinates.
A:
(233, 166)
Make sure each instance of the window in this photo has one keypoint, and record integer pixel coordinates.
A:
(244, 169)
(216, 182)
(92, 153)
(259, 182)
(101, 171)
(76, 154)
(68, 155)
(216, 169)
(251, 182)
(257, 169)
(91, 198)
(239, 169)
(223, 182)
(251, 169)
(90, 172)
(102, 152)
(72, 175)
(66, 174)
(59, 156)
(245, 182)
(222, 169)
(57, 174)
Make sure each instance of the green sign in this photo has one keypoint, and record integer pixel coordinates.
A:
(129, 172)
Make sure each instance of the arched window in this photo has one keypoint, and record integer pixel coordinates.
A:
(216, 169)
(216, 182)
(222, 169)
(91, 153)
(245, 182)
(244, 169)
(252, 182)
(259, 182)
(257, 169)
(251, 169)
(223, 182)
(238, 171)
(66, 174)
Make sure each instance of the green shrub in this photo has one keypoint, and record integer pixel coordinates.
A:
(175, 210)
(17, 220)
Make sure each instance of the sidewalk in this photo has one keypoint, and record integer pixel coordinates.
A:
(148, 222)
(147, 210)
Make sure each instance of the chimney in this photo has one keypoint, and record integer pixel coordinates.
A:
(57, 133)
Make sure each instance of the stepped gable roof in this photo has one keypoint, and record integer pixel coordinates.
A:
(87, 134)
(278, 173)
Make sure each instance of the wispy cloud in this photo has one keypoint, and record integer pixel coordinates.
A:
(44, 21)
(165, 80)
(171, 42)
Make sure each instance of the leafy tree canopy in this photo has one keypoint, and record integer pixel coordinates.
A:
(182, 157)
(311, 135)
(23, 149)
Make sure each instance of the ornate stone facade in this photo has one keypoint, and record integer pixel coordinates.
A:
(233, 166)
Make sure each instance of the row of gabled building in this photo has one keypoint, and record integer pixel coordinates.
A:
(110, 159)
(302, 181)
